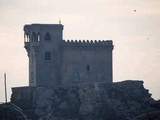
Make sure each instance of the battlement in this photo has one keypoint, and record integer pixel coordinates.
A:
(88, 43)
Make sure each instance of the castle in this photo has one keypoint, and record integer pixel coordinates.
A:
(72, 80)
(54, 61)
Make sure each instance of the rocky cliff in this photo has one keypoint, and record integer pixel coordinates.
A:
(119, 101)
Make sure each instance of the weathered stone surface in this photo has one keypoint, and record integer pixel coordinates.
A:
(54, 61)
(149, 116)
(119, 101)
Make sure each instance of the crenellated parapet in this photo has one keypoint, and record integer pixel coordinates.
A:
(88, 43)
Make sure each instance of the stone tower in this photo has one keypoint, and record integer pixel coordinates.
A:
(43, 45)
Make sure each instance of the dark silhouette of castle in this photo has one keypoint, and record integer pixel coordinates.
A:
(58, 73)
(54, 61)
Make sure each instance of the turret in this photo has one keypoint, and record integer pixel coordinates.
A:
(43, 45)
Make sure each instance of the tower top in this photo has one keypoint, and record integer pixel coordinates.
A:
(30, 27)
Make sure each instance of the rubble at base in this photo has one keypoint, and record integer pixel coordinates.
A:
(120, 101)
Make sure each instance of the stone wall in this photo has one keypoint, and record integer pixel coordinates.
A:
(87, 62)
(120, 101)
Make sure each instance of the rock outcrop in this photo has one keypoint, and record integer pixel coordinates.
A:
(119, 101)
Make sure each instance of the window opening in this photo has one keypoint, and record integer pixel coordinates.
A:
(47, 36)
(88, 68)
(47, 55)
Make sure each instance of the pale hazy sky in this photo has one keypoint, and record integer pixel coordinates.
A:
(136, 35)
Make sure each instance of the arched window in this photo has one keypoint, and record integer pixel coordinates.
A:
(34, 37)
(38, 36)
(47, 36)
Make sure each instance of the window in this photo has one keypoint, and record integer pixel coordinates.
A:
(38, 37)
(34, 37)
(47, 56)
(88, 68)
(47, 36)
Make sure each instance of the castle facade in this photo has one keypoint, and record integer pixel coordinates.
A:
(54, 61)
